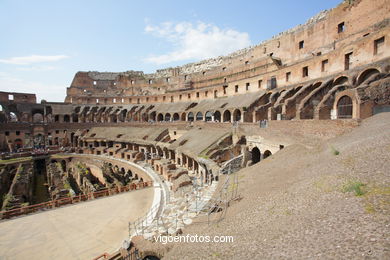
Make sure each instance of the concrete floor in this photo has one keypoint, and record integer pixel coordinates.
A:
(81, 231)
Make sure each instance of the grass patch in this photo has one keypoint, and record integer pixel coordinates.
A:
(369, 208)
(355, 187)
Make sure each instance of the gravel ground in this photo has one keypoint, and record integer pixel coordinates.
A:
(296, 203)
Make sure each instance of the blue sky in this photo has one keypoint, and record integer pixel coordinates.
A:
(43, 43)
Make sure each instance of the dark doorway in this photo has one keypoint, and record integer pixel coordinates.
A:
(255, 155)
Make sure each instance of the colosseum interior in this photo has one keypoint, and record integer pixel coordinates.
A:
(261, 144)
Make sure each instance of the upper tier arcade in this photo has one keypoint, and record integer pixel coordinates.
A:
(333, 41)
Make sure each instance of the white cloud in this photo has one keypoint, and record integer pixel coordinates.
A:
(48, 92)
(27, 60)
(196, 41)
(37, 68)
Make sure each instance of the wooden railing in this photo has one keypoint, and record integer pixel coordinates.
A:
(6, 214)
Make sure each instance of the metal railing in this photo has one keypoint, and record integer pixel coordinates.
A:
(6, 214)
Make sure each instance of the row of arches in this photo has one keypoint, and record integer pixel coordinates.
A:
(199, 116)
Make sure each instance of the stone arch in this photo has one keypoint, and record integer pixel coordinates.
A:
(199, 116)
(344, 107)
(208, 116)
(167, 117)
(266, 154)
(236, 115)
(122, 115)
(145, 117)
(160, 117)
(25, 117)
(152, 116)
(129, 173)
(66, 118)
(13, 117)
(190, 116)
(183, 116)
(38, 117)
(366, 74)
(166, 153)
(256, 155)
(217, 116)
(227, 116)
(56, 141)
(340, 80)
(75, 118)
(176, 117)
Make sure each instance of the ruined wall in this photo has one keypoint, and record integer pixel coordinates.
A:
(327, 37)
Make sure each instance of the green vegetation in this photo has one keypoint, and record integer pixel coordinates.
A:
(354, 186)
(7, 199)
(82, 168)
(67, 186)
(334, 151)
(203, 156)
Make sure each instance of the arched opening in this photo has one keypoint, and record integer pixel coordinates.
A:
(145, 117)
(152, 116)
(237, 115)
(199, 116)
(13, 117)
(340, 80)
(183, 117)
(129, 173)
(75, 118)
(208, 116)
(114, 118)
(160, 117)
(190, 116)
(176, 117)
(255, 155)
(366, 74)
(344, 107)
(167, 117)
(227, 116)
(38, 118)
(122, 115)
(66, 118)
(217, 116)
(266, 154)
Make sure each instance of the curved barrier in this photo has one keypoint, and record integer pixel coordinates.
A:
(72, 200)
